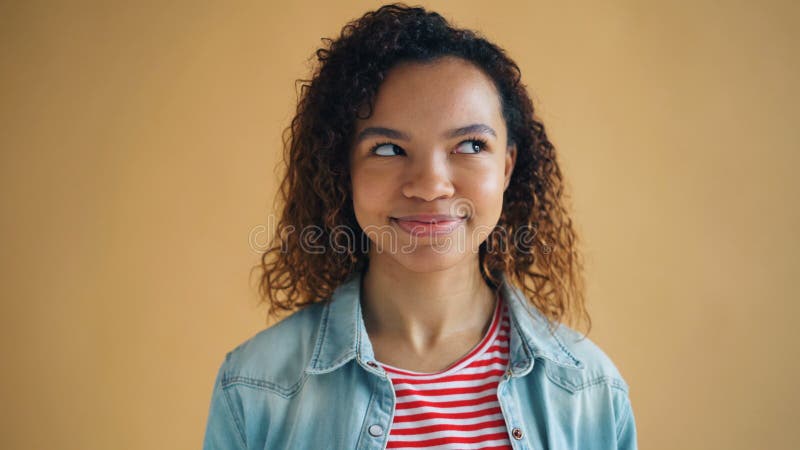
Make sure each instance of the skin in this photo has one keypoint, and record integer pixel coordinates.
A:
(424, 302)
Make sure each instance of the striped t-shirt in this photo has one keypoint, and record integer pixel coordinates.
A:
(456, 408)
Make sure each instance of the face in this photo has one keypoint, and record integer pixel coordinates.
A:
(430, 166)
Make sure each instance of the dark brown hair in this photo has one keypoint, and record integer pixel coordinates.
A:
(534, 242)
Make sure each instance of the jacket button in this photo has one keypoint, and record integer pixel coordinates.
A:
(375, 430)
(517, 433)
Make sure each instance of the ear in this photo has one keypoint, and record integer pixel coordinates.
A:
(511, 159)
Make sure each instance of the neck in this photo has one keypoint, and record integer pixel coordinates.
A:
(425, 308)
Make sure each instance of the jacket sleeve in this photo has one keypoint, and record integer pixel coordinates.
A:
(223, 428)
(626, 427)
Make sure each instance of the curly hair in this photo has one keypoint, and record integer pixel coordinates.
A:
(534, 242)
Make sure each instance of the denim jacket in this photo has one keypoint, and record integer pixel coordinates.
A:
(311, 382)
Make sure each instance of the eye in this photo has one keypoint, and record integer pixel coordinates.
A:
(385, 149)
(472, 146)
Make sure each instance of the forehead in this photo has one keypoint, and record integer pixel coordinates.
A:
(444, 93)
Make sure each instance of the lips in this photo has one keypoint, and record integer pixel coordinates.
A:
(436, 218)
(429, 224)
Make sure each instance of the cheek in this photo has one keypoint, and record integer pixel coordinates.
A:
(486, 189)
(483, 189)
(490, 186)
(369, 192)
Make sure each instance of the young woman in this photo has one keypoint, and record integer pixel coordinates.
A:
(427, 259)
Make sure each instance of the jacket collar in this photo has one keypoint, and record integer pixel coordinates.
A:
(342, 334)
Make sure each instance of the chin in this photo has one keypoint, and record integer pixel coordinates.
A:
(426, 259)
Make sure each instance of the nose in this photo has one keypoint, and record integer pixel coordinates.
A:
(429, 177)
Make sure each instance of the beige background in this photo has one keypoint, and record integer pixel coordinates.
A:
(138, 150)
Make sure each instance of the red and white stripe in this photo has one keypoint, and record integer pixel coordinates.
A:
(456, 408)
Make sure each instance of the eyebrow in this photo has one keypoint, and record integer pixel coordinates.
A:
(476, 128)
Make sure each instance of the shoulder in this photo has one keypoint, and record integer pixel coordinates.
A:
(598, 383)
(596, 388)
(275, 358)
(595, 369)
(570, 359)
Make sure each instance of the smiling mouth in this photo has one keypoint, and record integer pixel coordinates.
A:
(429, 227)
